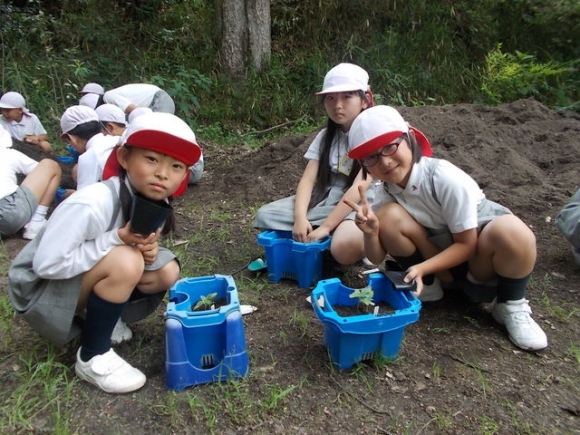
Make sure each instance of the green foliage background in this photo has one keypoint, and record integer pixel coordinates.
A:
(417, 52)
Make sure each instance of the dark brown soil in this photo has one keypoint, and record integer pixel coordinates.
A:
(457, 372)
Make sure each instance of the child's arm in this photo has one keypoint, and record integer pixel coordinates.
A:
(341, 210)
(303, 194)
(41, 140)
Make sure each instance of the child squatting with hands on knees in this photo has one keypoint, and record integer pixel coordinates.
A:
(316, 210)
(436, 222)
(88, 263)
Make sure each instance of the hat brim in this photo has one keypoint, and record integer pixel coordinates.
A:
(370, 146)
(340, 88)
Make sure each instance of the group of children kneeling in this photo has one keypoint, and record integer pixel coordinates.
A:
(370, 182)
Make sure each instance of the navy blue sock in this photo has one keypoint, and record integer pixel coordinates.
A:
(511, 289)
(102, 316)
(411, 260)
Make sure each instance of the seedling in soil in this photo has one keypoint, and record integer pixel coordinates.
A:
(205, 303)
(364, 296)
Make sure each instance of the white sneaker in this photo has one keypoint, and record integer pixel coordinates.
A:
(523, 331)
(32, 228)
(121, 333)
(110, 373)
(431, 293)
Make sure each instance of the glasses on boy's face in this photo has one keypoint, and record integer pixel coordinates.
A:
(387, 150)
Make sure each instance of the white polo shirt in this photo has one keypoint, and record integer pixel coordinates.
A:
(28, 125)
(339, 160)
(92, 162)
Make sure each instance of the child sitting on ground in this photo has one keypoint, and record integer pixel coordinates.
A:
(24, 205)
(20, 123)
(88, 262)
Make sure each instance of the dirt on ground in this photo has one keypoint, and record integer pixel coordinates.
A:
(457, 371)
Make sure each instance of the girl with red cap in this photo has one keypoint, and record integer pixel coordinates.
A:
(89, 263)
(433, 218)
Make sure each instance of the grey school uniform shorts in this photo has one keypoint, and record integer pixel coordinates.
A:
(16, 210)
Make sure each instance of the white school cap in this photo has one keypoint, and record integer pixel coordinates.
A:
(378, 126)
(345, 77)
(89, 100)
(75, 116)
(13, 100)
(111, 113)
(138, 111)
(92, 88)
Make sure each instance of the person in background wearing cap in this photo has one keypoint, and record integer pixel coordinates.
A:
(24, 205)
(134, 95)
(434, 219)
(316, 210)
(112, 119)
(82, 130)
(22, 124)
(92, 88)
(89, 261)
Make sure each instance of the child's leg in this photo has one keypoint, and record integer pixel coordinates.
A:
(159, 280)
(506, 249)
(43, 181)
(347, 243)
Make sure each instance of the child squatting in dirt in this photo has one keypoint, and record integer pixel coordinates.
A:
(88, 263)
(433, 219)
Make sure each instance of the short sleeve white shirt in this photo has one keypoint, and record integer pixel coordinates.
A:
(438, 195)
(12, 163)
(28, 125)
(92, 162)
(139, 94)
(339, 160)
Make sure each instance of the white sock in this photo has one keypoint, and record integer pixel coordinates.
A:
(40, 214)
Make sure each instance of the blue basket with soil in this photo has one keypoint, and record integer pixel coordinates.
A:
(287, 259)
(204, 332)
(353, 333)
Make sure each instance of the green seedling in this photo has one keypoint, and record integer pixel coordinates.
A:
(364, 296)
(205, 302)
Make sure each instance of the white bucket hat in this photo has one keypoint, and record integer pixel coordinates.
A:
(75, 116)
(378, 126)
(345, 77)
(13, 100)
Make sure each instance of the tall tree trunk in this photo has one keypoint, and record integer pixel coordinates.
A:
(259, 32)
(246, 36)
(234, 45)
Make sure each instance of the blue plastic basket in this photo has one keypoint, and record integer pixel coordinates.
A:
(287, 259)
(203, 346)
(363, 337)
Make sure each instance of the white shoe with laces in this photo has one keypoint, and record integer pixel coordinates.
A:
(523, 331)
(110, 373)
(121, 333)
(32, 228)
(432, 292)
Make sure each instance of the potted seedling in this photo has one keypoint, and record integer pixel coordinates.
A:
(365, 298)
(206, 302)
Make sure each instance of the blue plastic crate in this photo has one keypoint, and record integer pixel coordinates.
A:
(363, 337)
(204, 346)
(287, 259)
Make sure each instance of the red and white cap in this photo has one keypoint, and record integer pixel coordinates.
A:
(378, 126)
(92, 88)
(345, 77)
(163, 133)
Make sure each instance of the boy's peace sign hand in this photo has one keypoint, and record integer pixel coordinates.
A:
(365, 219)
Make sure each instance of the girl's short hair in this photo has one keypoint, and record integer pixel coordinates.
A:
(87, 130)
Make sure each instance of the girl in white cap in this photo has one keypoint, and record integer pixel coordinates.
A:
(89, 263)
(434, 219)
(22, 124)
(316, 210)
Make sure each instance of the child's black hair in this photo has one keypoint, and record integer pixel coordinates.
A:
(118, 124)
(324, 173)
(87, 130)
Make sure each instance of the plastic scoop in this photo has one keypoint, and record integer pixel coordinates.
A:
(257, 265)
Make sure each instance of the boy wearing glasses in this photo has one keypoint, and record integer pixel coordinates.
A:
(433, 219)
